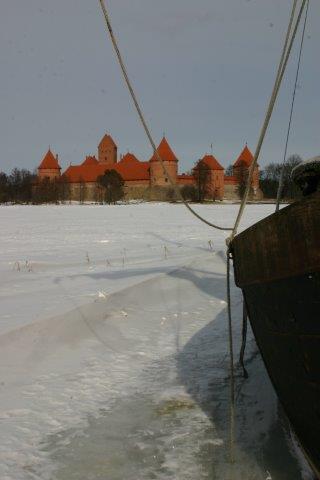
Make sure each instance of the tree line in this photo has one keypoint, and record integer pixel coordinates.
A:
(17, 186)
(270, 177)
(23, 186)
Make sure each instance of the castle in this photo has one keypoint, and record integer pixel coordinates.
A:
(147, 179)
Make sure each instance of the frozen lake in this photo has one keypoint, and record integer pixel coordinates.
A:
(114, 353)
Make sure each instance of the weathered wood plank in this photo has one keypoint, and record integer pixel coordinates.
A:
(285, 244)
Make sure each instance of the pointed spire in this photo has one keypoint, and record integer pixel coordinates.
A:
(165, 152)
(107, 140)
(211, 162)
(49, 162)
(245, 157)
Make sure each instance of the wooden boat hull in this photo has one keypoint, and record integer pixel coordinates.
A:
(277, 266)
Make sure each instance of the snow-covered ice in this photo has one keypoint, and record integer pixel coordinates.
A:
(113, 349)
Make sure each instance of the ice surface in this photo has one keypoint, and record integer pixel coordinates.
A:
(113, 358)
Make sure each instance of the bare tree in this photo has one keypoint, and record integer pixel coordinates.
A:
(270, 177)
(4, 188)
(46, 190)
(19, 186)
(64, 190)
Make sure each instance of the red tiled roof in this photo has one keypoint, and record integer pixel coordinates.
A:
(212, 162)
(165, 152)
(129, 159)
(130, 169)
(133, 171)
(90, 160)
(107, 140)
(74, 173)
(245, 157)
(49, 162)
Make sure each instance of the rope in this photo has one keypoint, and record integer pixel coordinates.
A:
(143, 121)
(244, 340)
(279, 77)
(231, 357)
(280, 187)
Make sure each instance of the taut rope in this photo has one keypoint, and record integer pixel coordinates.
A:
(231, 361)
(280, 187)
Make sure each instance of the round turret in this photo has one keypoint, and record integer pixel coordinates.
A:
(49, 167)
(158, 176)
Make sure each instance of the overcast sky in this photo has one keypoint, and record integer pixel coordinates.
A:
(202, 70)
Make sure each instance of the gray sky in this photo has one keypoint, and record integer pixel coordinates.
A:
(202, 70)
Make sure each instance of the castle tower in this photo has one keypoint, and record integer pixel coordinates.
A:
(215, 186)
(157, 174)
(107, 151)
(49, 167)
(241, 168)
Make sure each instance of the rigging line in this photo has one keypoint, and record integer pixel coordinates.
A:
(279, 77)
(143, 121)
(244, 339)
(264, 129)
(293, 12)
(281, 180)
(284, 50)
(231, 361)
